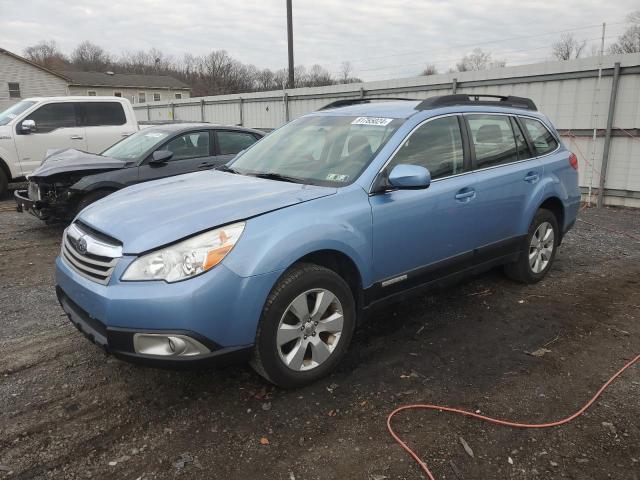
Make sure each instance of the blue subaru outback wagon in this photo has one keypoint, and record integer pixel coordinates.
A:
(274, 257)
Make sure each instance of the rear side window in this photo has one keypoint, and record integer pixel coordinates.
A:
(230, 142)
(98, 114)
(436, 145)
(52, 116)
(189, 145)
(543, 141)
(493, 140)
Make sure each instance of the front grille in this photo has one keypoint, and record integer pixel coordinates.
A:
(91, 258)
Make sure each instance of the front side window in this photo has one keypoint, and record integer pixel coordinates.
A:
(543, 141)
(14, 90)
(331, 150)
(230, 142)
(136, 146)
(103, 113)
(14, 110)
(189, 145)
(493, 139)
(436, 145)
(52, 116)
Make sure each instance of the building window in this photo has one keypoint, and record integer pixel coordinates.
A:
(156, 97)
(178, 96)
(142, 97)
(117, 94)
(14, 90)
(91, 93)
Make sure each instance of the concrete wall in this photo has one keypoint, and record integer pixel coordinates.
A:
(569, 92)
(33, 81)
(131, 94)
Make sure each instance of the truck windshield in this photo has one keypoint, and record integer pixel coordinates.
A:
(319, 150)
(137, 145)
(14, 110)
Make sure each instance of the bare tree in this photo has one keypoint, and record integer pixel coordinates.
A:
(568, 47)
(478, 59)
(430, 69)
(629, 41)
(90, 57)
(345, 72)
(47, 54)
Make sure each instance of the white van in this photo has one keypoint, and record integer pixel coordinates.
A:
(31, 127)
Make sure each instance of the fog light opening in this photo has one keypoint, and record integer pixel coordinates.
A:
(174, 345)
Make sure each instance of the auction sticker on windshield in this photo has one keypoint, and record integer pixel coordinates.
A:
(376, 121)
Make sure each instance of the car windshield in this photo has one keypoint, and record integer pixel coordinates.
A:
(13, 111)
(137, 145)
(319, 150)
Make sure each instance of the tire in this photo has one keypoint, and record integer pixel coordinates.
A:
(312, 348)
(4, 184)
(526, 271)
(91, 197)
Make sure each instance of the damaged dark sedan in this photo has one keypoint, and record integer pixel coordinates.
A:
(69, 180)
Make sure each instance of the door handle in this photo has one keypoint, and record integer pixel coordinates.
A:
(465, 195)
(126, 134)
(206, 165)
(76, 137)
(531, 177)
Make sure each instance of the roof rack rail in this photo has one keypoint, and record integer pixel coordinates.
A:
(470, 99)
(356, 101)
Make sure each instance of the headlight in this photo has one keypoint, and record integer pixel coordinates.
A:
(186, 259)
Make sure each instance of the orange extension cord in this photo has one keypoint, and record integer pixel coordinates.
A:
(466, 413)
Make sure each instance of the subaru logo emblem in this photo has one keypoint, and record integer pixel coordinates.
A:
(82, 246)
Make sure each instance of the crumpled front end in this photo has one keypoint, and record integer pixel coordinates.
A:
(47, 201)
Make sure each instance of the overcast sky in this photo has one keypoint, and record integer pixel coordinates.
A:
(382, 38)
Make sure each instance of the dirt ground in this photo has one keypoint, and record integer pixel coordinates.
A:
(68, 411)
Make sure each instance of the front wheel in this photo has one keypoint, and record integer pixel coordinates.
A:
(539, 251)
(91, 197)
(305, 328)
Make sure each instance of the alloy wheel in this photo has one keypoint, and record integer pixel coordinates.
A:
(310, 329)
(541, 247)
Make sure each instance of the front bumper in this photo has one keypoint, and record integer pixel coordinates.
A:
(218, 309)
(41, 209)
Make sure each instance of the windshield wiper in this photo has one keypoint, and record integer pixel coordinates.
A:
(226, 168)
(279, 177)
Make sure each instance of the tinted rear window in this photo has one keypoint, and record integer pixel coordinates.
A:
(543, 141)
(103, 113)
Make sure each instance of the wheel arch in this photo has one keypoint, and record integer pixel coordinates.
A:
(5, 169)
(555, 206)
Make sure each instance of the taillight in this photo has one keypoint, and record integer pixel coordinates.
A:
(573, 161)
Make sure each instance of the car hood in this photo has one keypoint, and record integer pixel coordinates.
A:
(153, 214)
(70, 160)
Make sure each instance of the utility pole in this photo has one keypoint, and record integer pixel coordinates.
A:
(290, 42)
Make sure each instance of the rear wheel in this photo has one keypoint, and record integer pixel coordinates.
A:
(539, 251)
(91, 197)
(305, 328)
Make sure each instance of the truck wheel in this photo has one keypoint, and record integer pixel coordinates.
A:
(91, 197)
(305, 328)
(539, 251)
(4, 184)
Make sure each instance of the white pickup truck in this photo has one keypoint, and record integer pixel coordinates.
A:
(31, 127)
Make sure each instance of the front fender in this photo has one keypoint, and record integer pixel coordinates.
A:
(10, 159)
(276, 240)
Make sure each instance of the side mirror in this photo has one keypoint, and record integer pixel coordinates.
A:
(409, 177)
(28, 126)
(160, 157)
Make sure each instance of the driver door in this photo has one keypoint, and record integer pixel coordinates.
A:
(421, 235)
(192, 152)
(56, 129)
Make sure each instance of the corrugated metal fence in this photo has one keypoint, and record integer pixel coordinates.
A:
(575, 94)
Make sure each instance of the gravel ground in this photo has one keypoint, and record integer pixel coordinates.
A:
(68, 411)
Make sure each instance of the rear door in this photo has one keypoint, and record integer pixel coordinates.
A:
(105, 124)
(231, 142)
(192, 151)
(505, 176)
(56, 129)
